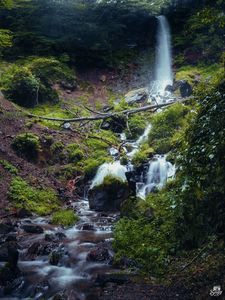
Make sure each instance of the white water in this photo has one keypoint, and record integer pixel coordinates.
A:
(114, 169)
(141, 140)
(158, 173)
(164, 75)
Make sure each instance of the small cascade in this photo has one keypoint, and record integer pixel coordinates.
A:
(158, 173)
(114, 169)
(143, 138)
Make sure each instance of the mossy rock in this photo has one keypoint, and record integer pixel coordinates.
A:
(27, 145)
(65, 217)
(109, 195)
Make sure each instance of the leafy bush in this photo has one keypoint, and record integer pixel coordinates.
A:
(64, 217)
(39, 201)
(31, 83)
(27, 145)
(21, 86)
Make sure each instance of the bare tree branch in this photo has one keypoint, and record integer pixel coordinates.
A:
(107, 115)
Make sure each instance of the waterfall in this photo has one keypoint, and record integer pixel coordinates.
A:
(163, 68)
(159, 171)
(114, 169)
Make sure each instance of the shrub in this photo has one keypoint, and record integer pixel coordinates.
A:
(39, 201)
(27, 145)
(64, 217)
(21, 86)
(31, 83)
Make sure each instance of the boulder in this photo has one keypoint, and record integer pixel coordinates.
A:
(33, 229)
(55, 257)
(109, 195)
(9, 253)
(23, 213)
(138, 95)
(184, 87)
(99, 254)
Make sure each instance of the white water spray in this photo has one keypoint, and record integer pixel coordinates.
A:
(163, 67)
(114, 169)
(159, 172)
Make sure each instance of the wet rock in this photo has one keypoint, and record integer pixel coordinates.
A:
(23, 213)
(17, 284)
(55, 257)
(8, 274)
(109, 195)
(88, 227)
(34, 250)
(38, 248)
(9, 253)
(138, 95)
(185, 89)
(117, 278)
(169, 88)
(41, 288)
(5, 228)
(33, 229)
(58, 236)
(99, 254)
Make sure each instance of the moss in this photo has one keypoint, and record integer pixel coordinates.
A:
(40, 201)
(196, 73)
(65, 217)
(143, 155)
(65, 172)
(90, 167)
(166, 125)
(75, 153)
(111, 181)
(136, 126)
(9, 167)
(27, 145)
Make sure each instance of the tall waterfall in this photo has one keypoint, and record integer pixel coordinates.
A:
(163, 68)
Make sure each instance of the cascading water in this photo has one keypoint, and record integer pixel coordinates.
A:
(163, 66)
(114, 169)
(159, 171)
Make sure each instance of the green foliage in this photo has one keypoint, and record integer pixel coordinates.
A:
(201, 39)
(27, 145)
(164, 126)
(203, 192)
(31, 83)
(143, 155)
(20, 85)
(40, 201)
(9, 167)
(65, 217)
(5, 39)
